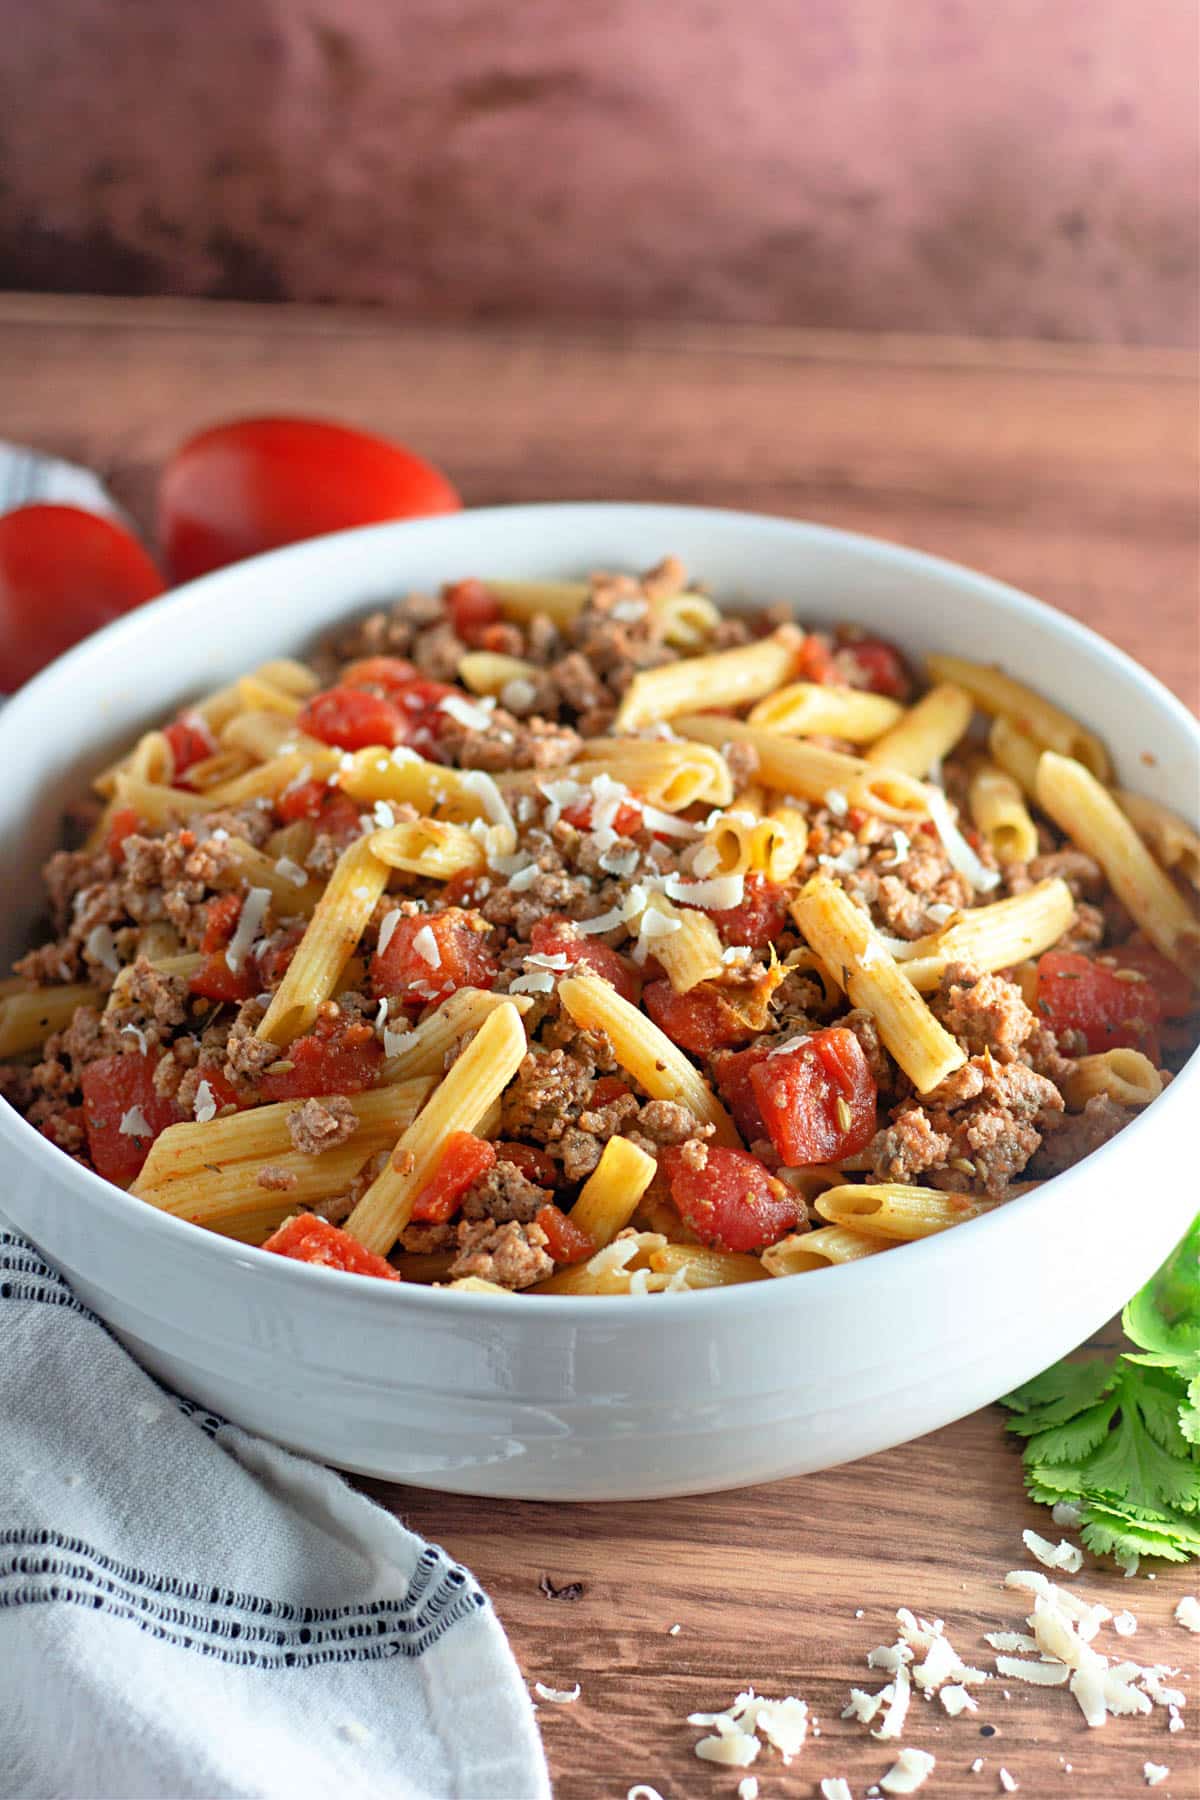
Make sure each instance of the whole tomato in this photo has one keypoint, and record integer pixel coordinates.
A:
(255, 484)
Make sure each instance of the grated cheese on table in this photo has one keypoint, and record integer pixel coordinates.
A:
(1153, 1773)
(910, 1771)
(1007, 1782)
(748, 1788)
(1124, 1624)
(1187, 1613)
(1068, 1557)
(835, 1787)
(561, 1696)
(782, 1723)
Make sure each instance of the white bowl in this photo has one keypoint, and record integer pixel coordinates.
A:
(572, 1399)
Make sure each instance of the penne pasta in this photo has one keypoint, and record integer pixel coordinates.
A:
(487, 672)
(644, 1051)
(927, 732)
(28, 1016)
(821, 1249)
(724, 678)
(689, 947)
(403, 778)
(998, 694)
(848, 944)
(254, 692)
(561, 601)
(1125, 1076)
(260, 1134)
(425, 1047)
(327, 945)
(267, 733)
(780, 843)
(290, 897)
(810, 773)
(685, 620)
(1095, 824)
(998, 936)
(429, 847)
(1015, 753)
(892, 1210)
(459, 1103)
(998, 810)
(729, 844)
(622, 1267)
(610, 1195)
(703, 1268)
(671, 776)
(1170, 839)
(808, 707)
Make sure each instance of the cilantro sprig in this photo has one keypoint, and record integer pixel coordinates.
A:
(1120, 1436)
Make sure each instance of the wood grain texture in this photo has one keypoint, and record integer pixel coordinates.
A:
(1068, 471)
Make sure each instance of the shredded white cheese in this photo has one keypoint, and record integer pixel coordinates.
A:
(534, 981)
(910, 1771)
(387, 925)
(290, 871)
(475, 715)
(643, 1792)
(748, 1787)
(897, 1702)
(138, 1036)
(100, 947)
(134, 1123)
(206, 1104)
(382, 815)
(783, 1724)
(479, 783)
(518, 695)
(1124, 1624)
(667, 825)
(835, 1787)
(1068, 1557)
(627, 611)
(254, 909)
(721, 892)
(1187, 1613)
(837, 802)
(396, 1041)
(957, 849)
(956, 1700)
(425, 945)
(1153, 1773)
(1007, 1782)
(736, 1749)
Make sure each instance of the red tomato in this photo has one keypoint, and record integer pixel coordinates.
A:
(732, 1203)
(336, 1057)
(870, 663)
(607, 1089)
(699, 1021)
(555, 936)
(626, 820)
(815, 661)
(306, 1238)
(533, 1163)
(113, 1088)
(63, 573)
(352, 718)
(1175, 993)
(334, 812)
(191, 741)
(420, 704)
(214, 979)
(124, 823)
(390, 674)
(472, 607)
(464, 1159)
(817, 1101)
(1075, 993)
(463, 959)
(62, 1126)
(565, 1242)
(759, 919)
(254, 484)
(731, 1071)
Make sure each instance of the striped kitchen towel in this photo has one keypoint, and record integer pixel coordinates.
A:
(186, 1610)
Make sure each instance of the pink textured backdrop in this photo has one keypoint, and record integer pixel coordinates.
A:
(950, 165)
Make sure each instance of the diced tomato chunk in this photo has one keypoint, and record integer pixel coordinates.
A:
(607, 1089)
(1176, 994)
(337, 1056)
(306, 1238)
(556, 936)
(191, 742)
(565, 1241)
(124, 823)
(419, 704)
(815, 661)
(352, 718)
(818, 1100)
(731, 1071)
(472, 607)
(120, 1089)
(390, 674)
(760, 917)
(1075, 993)
(214, 979)
(534, 1164)
(220, 922)
(625, 821)
(333, 812)
(732, 1203)
(464, 1159)
(698, 1021)
(431, 956)
(871, 663)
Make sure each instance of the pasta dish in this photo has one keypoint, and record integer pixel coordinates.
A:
(576, 938)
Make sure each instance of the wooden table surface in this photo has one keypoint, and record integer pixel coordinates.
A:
(1071, 472)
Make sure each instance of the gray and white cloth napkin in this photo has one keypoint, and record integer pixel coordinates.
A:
(186, 1610)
